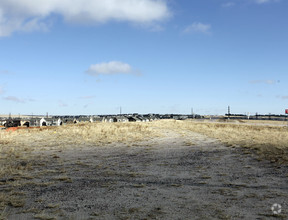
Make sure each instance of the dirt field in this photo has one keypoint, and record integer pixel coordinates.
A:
(159, 172)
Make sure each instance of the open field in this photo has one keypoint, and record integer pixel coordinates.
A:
(158, 170)
(268, 139)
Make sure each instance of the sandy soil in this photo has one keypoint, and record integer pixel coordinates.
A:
(178, 176)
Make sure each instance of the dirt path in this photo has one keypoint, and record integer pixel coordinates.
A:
(178, 176)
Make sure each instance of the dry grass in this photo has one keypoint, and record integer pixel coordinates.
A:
(270, 142)
(94, 133)
(44, 216)
(266, 122)
(20, 150)
(12, 199)
(253, 122)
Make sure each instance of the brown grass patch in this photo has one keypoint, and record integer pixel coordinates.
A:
(12, 199)
(20, 150)
(270, 142)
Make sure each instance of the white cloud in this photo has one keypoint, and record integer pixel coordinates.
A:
(17, 99)
(1, 90)
(30, 15)
(62, 104)
(265, 1)
(5, 72)
(228, 4)
(14, 99)
(269, 82)
(198, 27)
(112, 67)
(87, 97)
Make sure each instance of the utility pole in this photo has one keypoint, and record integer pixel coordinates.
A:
(229, 113)
(192, 112)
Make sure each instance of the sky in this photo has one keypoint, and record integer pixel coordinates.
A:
(146, 56)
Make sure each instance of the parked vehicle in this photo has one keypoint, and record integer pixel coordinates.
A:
(12, 123)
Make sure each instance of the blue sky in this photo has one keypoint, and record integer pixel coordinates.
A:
(147, 56)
